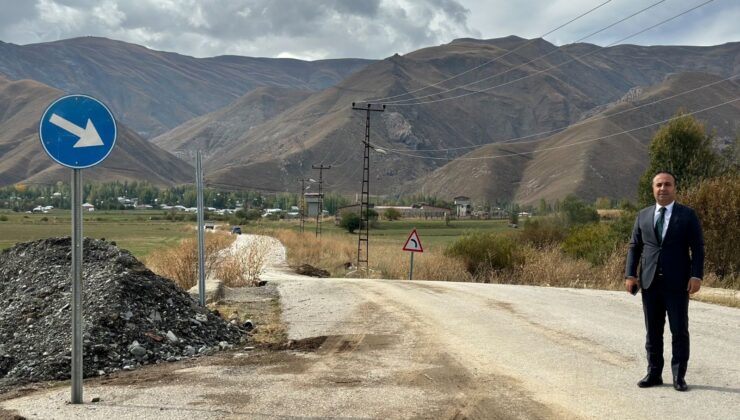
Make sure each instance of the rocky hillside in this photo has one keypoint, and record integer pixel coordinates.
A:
(587, 159)
(516, 99)
(23, 160)
(131, 316)
(154, 91)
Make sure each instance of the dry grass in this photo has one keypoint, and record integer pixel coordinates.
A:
(610, 214)
(394, 264)
(242, 267)
(329, 252)
(549, 266)
(180, 263)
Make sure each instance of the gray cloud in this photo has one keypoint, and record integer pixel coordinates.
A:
(348, 28)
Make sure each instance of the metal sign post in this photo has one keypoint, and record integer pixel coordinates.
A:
(201, 231)
(76, 286)
(413, 245)
(78, 132)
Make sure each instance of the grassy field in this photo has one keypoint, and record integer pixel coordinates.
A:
(434, 234)
(135, 231)
(132, 230)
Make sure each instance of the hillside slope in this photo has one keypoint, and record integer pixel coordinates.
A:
(24, 161)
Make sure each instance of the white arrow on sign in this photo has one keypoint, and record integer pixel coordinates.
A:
(88, 136)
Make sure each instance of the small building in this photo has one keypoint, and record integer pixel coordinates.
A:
(313, 201)
(88, 207)
(462, 206)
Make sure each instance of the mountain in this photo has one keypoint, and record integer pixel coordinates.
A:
(518, 95)
(212, 133)
(22, 104)
(590, 159)
(153, 91)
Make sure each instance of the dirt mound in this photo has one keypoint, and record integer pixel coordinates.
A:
(309, 270)
(131, 316)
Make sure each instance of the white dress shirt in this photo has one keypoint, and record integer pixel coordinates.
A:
(656, 215)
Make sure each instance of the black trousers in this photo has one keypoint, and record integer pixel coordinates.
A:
(657, 301)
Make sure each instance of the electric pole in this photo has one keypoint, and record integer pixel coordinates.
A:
(302, 203)
(321, 196)
(363, 242)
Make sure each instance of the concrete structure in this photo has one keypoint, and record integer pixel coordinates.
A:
(312, 203)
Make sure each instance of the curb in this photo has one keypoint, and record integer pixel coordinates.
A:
(214, 290)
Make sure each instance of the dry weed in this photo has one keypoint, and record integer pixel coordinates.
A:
(393, 264)
(180, 263)
(330, 252)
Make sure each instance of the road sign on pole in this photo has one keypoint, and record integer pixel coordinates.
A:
(78, 132)
(413, 245)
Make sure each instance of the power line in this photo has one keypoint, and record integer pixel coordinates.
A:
(575, 143)
(493, 60)
(552, 67)
(577, 124)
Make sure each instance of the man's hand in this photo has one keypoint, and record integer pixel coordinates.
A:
(629, 283)
(694, 285)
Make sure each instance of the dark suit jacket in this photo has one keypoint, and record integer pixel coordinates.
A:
(672, 258)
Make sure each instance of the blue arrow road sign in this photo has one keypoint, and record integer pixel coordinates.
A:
(77, 131)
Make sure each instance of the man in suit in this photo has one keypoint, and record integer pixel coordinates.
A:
(668, 245)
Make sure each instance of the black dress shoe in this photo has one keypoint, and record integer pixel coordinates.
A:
(650, 380)
(680, 385)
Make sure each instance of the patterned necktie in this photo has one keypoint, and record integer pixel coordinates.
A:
(659, 225)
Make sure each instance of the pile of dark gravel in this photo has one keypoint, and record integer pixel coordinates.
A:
(132, 317)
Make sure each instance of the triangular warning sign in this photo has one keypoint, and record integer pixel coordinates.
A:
(413, 243)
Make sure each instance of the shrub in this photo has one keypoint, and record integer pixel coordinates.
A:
(3, 218)
(577, 212)
(485, 252)
(350, 221)
(542, 232)
(180, 263)
(717, 203)
(391, 214)
(593, 242)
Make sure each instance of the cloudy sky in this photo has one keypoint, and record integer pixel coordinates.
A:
(317, 29)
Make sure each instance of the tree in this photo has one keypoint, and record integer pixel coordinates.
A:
(350, 221)
(717, 203)
(577, 212)
(391, 214)
(683, 148)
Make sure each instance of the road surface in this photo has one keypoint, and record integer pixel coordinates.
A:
(417, 349)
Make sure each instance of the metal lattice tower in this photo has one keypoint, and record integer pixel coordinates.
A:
(363, 242)
(321, 196)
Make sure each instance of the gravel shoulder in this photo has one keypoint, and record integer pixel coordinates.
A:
(360, 348)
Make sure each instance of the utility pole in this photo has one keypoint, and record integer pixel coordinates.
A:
(363, 242)
(302, 203)
(321, 196)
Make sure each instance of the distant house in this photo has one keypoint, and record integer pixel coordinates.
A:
(88, 207)
(462, 206)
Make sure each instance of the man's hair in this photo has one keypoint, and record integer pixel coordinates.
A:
(675, 180)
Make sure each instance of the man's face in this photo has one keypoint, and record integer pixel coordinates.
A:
(664, 189)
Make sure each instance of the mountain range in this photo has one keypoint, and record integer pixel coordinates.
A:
(528, 120)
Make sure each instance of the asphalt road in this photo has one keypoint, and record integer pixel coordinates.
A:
(578, 353)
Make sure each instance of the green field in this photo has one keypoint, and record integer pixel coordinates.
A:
(434, 235)
(132, 230)
(137, 232)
